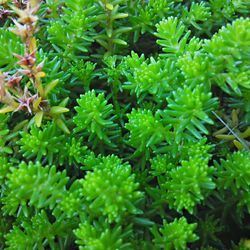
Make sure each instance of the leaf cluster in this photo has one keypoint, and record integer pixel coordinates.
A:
(124, 124)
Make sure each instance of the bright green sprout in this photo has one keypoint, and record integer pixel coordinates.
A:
(175, 235)
(33, 186)
(111, 189)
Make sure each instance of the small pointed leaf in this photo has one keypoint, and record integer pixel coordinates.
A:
(62, 125)
(6, 109)
(56, 110)
(39, 118)
(50, 86)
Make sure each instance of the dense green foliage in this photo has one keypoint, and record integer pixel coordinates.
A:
(125, 124)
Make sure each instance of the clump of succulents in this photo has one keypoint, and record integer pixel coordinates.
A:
(124, 124)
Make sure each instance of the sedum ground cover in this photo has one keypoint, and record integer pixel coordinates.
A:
(125, 124)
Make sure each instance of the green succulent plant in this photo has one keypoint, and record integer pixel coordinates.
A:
(175, 235)
(111, 189)
(99, 235)
(124, 124)
(38, 233)
(43, 143)
(142, 126)
(27, 187)
(10, 44)
(188, 110)
(95, 118)
(231, 67)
